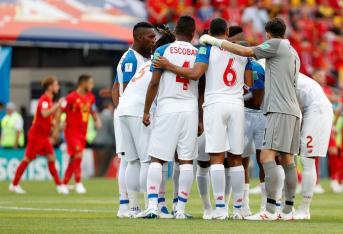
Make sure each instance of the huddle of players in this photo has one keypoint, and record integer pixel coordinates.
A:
(77, 106)
(180, 102)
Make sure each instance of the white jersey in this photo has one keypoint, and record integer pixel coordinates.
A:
(133, 100)
(310, 94)
(175, 93)
(224, 76)
(130, 61)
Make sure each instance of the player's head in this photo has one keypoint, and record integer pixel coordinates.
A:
(85, 82)
(166, 36)
(144, 37)
(218, 27)
(275, 28)
(236, 33)
(51, 84)
(185, 27)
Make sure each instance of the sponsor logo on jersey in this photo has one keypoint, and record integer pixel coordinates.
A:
(203, 50)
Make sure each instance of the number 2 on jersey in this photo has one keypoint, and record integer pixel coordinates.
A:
(230, 76)
(183, 80)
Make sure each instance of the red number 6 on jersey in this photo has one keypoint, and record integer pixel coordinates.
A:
(230, 76)
(182, 79)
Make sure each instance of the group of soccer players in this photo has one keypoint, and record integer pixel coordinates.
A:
(216, 105)
(77, 106)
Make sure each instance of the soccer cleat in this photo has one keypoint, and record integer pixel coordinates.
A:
(134, 212)
(16, 189)
(62, 189)
(245, 211)
(207, 214)
(262, 216)
(220, 214)
(148, 214)
(123, 213)
(237, 214)
(319, 189)
(182, 215)
(256, 190)
(79, 188)
(286, 217)
(70, 186)
(301, 214)
(164, 213)
(336, 187)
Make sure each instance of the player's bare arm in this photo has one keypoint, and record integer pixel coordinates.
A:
(228, 46)
(150, 96)
(248, 78)
(48, 112)
(115, 94)
(189, 73)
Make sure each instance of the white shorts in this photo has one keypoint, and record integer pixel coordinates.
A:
(224, 128)
(315, 133)
(132, 138)
(255, 123)
(174, 131)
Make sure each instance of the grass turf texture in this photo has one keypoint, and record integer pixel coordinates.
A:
(42, 210)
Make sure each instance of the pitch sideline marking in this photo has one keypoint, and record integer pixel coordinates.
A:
(53, 209)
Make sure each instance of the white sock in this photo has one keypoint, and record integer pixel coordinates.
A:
(203, 181)
(132, 184)
(263, 196)
(185, 185)
(143, 181)
(161, 193)
(309, 178)
(153, 184)
(237, 182)
(280, 188)
(123, 196)
(217, 173)
(246, 189)
(228, 187)
(176, 175)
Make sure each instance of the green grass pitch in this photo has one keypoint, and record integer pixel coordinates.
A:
(44, 211)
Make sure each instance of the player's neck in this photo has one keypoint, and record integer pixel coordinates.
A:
(49, 94)
(221, 37)
(81, 91)
(183, 38)
(140, 51)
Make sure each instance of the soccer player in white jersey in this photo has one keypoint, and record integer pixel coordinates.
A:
(132, 137)
(314, 136)
(134, 57)
(223, 114)
(175, 123)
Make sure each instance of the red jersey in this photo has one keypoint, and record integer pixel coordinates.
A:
(78, 108)
(42, 126)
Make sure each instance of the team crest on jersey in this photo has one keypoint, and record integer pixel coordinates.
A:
(156, 55)
(128, 67)
(202, 50)
(265, 45)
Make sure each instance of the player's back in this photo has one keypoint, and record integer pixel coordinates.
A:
(40, 124)
(310, 94)
(177, 94)
(224, 76)
(133, 99)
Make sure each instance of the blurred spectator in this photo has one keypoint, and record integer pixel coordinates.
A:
(104, 142)
(205, 11)
(256, 15)
(161, 12)
(12, 134)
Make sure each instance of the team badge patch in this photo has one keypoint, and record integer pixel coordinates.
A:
(128, 67)
(265, 45)
(156, 55)
(202, 50)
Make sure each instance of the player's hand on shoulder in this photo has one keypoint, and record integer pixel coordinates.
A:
(62, 102)
(161, 63)
(146, 119)
(207, 39)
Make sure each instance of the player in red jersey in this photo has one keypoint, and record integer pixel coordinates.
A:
(39, 137)
(78, 106)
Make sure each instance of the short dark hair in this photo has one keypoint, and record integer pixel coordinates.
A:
(218, 27)
(234, 30)
(166, 38)
(46, 82)
(83, 78)
(185, 26)
(141, 25)
(276, 27)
